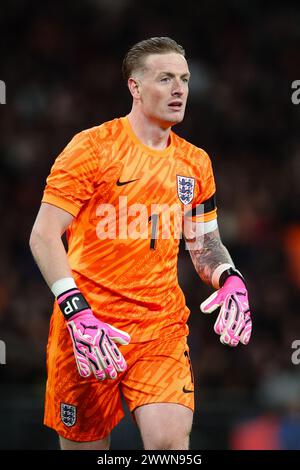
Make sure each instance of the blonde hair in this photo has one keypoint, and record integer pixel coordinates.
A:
(135, 57)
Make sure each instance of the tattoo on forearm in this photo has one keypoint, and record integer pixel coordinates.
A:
(207, 254)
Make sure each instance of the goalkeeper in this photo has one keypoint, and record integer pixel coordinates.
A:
(119, 322)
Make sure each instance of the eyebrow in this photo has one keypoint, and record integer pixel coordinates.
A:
(169, 74)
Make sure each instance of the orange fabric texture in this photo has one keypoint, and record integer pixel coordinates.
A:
(130, 283)
(158, 372)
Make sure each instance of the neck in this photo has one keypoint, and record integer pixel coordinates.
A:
(149, 132)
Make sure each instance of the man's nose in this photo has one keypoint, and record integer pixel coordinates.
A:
(178, 88)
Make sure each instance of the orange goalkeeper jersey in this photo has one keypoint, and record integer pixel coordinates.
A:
(122, 245)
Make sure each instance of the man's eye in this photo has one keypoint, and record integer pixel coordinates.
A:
(165, 79)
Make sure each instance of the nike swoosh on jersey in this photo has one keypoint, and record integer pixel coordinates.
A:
(121, 183)
(185, 390)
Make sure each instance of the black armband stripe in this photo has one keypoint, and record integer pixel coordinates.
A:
(209, 205)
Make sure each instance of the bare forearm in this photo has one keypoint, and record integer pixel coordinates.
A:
(50, 255)
(209, 253)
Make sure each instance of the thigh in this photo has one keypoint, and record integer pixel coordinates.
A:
(164, 426)
(159, 372)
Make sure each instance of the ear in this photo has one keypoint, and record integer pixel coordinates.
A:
(134, 87)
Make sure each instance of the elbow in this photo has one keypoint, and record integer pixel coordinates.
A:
(38, 238)
(41, 237)
(34, 240)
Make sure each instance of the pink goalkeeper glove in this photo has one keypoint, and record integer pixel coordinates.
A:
(93, 340)
(234, 322)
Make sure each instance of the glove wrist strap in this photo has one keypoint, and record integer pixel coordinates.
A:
(222, 272)
(217, 273)
(71, 303)
(227, 273)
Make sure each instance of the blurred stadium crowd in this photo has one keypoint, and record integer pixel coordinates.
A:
(61, 63)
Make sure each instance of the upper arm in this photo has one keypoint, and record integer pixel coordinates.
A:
(51, 221)
(202, 218)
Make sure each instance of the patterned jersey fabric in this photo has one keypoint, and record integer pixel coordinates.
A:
(122, 242)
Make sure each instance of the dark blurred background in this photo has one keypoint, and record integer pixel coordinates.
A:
(61, 62)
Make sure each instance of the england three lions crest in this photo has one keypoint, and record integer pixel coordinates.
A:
(185, 188)
(68, 414)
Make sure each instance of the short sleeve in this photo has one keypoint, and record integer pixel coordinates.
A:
(204, 204)
(72, 178)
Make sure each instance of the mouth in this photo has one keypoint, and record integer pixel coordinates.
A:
(176, 105)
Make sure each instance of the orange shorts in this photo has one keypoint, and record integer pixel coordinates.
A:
(159, 371)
